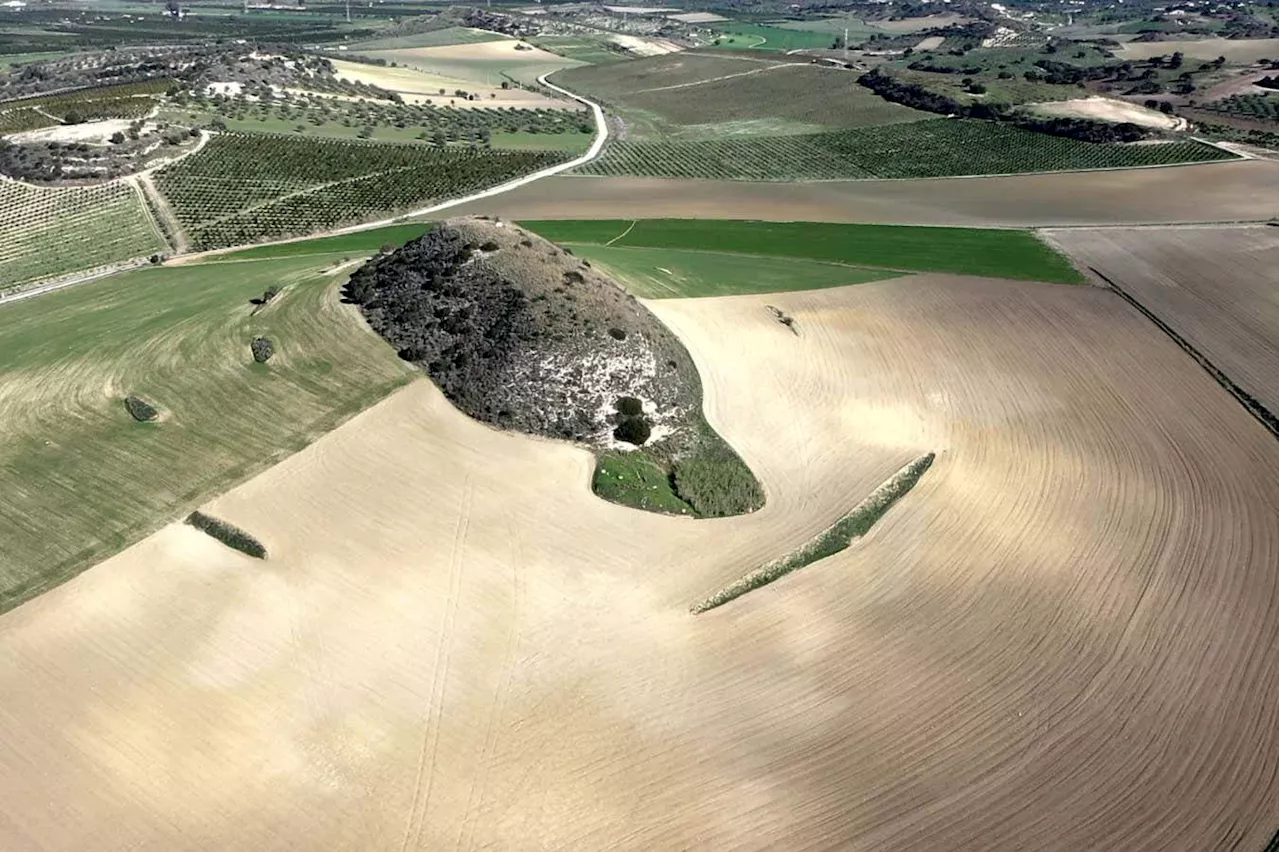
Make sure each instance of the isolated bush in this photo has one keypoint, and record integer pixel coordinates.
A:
(140, 409)
(231, 536)
(633, 430)
(628, 406)
(262, 349)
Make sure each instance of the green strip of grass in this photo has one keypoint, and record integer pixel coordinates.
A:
(831, 541)
(679, 273)
(358, 243)
(998, 253)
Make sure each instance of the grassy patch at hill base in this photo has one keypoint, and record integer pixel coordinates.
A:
(82, 481)
(707, 481)
(999, 253)
(680, 273)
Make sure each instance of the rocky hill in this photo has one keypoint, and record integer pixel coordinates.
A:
(519, 333)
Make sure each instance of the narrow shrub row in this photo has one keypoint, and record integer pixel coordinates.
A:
(231, 536)
(834, 539)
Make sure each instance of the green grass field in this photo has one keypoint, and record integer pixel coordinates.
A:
(733, 35)
(247, 188)
(9, 60)
(810, 97)
(712, 96)
(435, 38)
(665, 273)
(999, 253)
(52, 231)
(582, 48)
(83, 480)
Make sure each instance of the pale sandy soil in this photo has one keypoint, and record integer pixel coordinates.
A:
(417, 87)
(1109, 109)
(91, 132)
(1062, 639)
(930, 43)
(645, 46)
(698, 17)
(1235, 50)
(1217, 287)
(1235, 191)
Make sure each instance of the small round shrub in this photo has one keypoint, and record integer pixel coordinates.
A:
(628, 406)
(633, 430)
(139, 409)
(262, 349)
(617, 334)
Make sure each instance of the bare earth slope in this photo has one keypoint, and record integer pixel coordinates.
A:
(1217, 192)
(1062, 639)
(1217, 287)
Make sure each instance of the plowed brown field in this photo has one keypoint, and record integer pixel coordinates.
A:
(1219, 192)
(1216, 287)
(1062, 639)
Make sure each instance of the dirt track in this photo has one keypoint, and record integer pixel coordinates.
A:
(1235, 191)
(1062, 639)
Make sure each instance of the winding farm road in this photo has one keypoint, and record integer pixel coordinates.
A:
(602, 134)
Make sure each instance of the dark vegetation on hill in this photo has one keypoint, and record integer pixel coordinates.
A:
(519, 333)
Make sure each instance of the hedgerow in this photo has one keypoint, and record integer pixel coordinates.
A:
(231, 536)
(834, 539)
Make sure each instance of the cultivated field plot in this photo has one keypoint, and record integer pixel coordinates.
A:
(920, 149)
(243, 189)
(488, 62)
(50, 231)
(808, 95)
(1005, 253)
(417, 86)
(1216, 287)
(666, 273)
(127, 100)
(691, 96)
(1208, 49)
(1223, 192)
(614, 83)
(1061, 639)
(434, 38)
(83, 480)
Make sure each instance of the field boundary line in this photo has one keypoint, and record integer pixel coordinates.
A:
(714, 79)
(1259, 411)
(629, 229)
